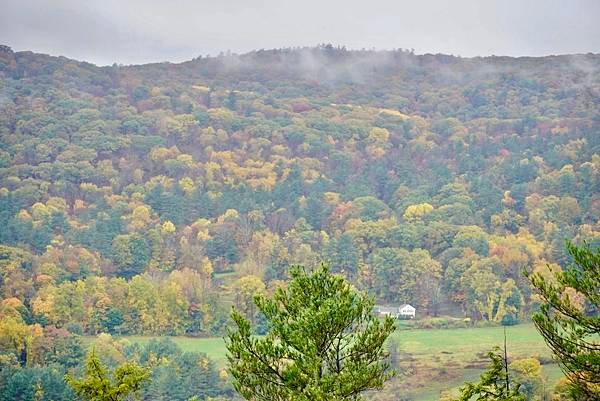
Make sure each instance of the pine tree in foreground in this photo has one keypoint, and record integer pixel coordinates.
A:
(323, 343)
(572, 328)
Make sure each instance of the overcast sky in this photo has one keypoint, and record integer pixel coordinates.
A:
(141, 31)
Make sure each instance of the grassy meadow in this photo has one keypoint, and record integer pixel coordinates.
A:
(450, 347)
(213, 347)
(443, 359)
(434, 359)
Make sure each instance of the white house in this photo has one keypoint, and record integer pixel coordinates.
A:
(404, 311)
(407, 311)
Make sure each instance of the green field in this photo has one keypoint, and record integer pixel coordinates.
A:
(214, 347)
(463, 345)
(455, 345)
(445, 359)
(439, 359)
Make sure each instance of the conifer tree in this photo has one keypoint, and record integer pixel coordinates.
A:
(97, 384)
(494, 384)
(323, 343)
(571, 329)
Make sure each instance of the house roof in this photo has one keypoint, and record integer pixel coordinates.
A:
(389, 309)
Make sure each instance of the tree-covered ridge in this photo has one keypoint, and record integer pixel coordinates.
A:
(129, 193)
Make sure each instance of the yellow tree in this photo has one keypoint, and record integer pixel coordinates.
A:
(244, 290)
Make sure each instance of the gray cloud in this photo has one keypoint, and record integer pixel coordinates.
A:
(141, 31)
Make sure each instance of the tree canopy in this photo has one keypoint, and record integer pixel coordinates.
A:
(144, 200)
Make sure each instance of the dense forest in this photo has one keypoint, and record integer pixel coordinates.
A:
(146, 200)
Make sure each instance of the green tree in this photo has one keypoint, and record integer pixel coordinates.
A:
(472, 237)
(494, 384)
(97, 385)
(324, 343)
(176, 375)
(131, 253)
(344, 255)
(33, 384)
(571, 327)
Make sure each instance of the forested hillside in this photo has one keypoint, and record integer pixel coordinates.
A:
(149, 199)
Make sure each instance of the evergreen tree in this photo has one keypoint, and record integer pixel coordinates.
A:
(97, 384)
(494, 384)
(571, 329)
(323, 343)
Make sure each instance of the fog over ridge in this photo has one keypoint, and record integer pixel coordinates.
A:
(136, 31)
